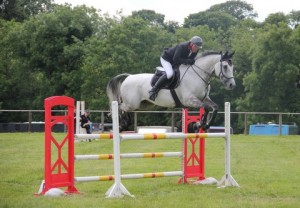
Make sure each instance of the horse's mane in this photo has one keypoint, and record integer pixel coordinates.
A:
(207, 53)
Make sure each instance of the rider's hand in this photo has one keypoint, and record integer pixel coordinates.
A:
(190, 61)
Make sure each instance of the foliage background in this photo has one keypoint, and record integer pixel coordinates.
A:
(49, 49)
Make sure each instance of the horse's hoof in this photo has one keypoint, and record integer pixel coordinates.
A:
(205, 127)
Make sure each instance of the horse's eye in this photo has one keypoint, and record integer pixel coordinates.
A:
(225, 67)
(229, 62)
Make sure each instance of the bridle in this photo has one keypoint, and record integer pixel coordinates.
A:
(221, 74)
(207, 82)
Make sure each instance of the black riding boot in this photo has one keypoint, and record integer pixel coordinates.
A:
(155, 89)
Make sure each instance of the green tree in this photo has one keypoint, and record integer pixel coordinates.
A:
(222, 15)
(270, 86)
(23, 9)
(172, 26)
(150, 16)
(294, 18)
(276, 18)
(7, 61)
(208, 36)
(213, 20)
(156, 19)
(241, 39)
(48, 52)
(236, 8)
(131, 46)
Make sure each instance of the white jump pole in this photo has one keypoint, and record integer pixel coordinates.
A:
(80, 108)
(128, 155)
(77, 117)
(158, 136)
(150, 136)
(93, 136)
(129, 176)
(117, 189)
(227, 179)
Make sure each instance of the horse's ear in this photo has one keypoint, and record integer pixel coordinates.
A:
(224, 56)
(231, 54)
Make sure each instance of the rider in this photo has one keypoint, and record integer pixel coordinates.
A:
(183, 53)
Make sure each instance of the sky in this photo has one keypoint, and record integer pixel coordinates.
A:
(177, 10)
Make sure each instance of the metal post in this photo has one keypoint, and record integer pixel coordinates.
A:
(280, 124)
(135, 121)
(245, 124)
(102, 122)
(173, 122)
(30, 121)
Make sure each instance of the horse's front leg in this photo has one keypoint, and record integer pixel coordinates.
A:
(215, 109)
(207, 104)
(194, 102)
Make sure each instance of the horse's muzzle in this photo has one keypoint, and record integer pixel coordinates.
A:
(230, 84)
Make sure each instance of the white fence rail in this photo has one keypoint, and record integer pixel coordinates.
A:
(29, 116)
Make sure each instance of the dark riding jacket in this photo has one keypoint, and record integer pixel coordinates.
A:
(179, 54)
(84, 120)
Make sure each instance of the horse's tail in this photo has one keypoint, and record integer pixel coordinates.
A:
(113, 87)
(114, 94)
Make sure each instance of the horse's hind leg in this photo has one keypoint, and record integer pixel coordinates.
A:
(125, 117)
(125, 121)
(129, 106)
(125, 107)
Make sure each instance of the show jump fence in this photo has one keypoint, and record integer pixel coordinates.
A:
(60, 171)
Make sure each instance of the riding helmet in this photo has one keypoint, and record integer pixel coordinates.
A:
(197, 41)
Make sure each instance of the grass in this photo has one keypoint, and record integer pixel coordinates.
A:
(267, 169)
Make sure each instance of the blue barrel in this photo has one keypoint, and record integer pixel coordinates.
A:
(272, 129)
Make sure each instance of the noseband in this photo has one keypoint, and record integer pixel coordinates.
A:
(221, 74)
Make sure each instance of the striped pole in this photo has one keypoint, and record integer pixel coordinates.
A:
(128, 155)
(93, 136)
(94, 178)
(128, 176)
(158, 136)
(151, 136)
(152, 175)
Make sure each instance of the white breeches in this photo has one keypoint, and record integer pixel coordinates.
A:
(167, 67)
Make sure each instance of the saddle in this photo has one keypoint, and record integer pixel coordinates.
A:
(171, 83)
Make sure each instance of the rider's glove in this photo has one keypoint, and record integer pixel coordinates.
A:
(190, 61)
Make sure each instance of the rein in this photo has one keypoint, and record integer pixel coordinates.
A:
(207, 82)
(192, 66)
(209, 74)
(221, 74)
